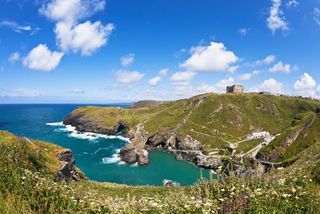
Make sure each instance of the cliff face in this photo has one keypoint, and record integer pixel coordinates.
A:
(204, 130)
(68, 170)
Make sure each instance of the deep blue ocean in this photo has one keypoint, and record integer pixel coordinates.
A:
(95, 155)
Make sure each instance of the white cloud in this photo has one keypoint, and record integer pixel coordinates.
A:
(42, 59)
(276, 20)
(71, 11)
(316, 15)
(15, 26)
(14, 57)
(128, 77)
(292, 3)
(244, 31)
(282, 67)
(233, 69)
(154, 81)
(182, 78)
(212, 58)
(73, 36)
(127, 60)
(86, 37)
(266, 61)
(272, 86)
(306, 82)
(162, 73)
(222, 84)
(246, 76)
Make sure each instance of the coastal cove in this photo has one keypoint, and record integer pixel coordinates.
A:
(95, 155)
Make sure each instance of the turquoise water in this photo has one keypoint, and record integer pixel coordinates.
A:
(95, 155)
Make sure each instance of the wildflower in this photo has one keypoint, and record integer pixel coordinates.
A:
(221, 199)
(282, 181)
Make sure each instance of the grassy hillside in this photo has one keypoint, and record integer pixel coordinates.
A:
(27, 185)
(218, 120)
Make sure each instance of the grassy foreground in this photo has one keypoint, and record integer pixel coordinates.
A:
(27, 185)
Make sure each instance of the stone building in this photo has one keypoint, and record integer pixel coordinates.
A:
(235, 89)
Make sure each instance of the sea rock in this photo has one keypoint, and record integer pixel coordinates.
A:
(67, 170)
(131, 155)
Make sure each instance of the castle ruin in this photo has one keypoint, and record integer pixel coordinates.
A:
(235, 89)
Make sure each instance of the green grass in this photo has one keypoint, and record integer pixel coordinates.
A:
(246, 146)
(27, 186)
(219, 119)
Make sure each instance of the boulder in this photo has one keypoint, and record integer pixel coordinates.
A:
(68, 170)
(131, 155)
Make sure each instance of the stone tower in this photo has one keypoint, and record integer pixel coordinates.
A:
(235, 89)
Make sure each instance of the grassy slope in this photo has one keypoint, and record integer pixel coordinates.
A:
(218, 120)
(27, 186)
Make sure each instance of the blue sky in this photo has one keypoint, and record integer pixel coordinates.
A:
(97, 51)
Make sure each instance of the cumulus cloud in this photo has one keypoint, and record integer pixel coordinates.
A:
(71, 11)
(212, 58)
(306, 86)
(272, 86)
(128, 77)
(85, 38)
(282, 67)
(266, 61)
(42, 59)
(276, 20)
(15, 26)
(316, 15)
(305, 82)
(14, 57)
(127, 60)
(73, 36)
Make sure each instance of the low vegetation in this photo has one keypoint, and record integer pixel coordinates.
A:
(217, 121)
(27, 185)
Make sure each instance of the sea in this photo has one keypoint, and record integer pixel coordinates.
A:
(96, 155)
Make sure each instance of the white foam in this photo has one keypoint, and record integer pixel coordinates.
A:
(166, 181)
(55, 124)
(84, 135)
(115, 158)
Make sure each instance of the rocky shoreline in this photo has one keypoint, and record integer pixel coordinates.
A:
(183, 147)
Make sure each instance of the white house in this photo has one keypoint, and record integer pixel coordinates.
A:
(258, 135)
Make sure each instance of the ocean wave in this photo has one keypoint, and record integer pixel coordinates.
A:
(115, 158)
(55, 124)
(83, 135)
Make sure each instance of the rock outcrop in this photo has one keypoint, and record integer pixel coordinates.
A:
(131, 155)
(68, 170)
(83, 124)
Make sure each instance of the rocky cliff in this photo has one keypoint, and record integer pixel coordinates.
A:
(203, 129)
